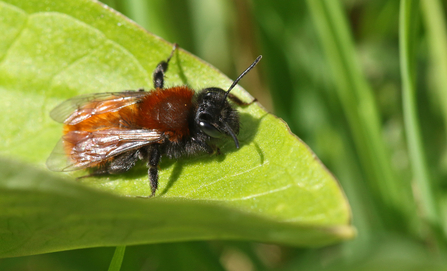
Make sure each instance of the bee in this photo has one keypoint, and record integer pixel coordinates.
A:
(109, 132)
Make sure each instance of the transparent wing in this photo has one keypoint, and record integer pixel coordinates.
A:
(83, 149)
(79, 108)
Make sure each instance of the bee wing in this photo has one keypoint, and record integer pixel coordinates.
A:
(83, 149)
(79, 108)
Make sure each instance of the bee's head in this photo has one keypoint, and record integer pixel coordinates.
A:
(214, 116)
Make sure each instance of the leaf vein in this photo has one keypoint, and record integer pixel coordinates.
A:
(223, 178)
(263, 193)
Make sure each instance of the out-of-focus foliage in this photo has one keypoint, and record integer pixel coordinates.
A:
(299, 80)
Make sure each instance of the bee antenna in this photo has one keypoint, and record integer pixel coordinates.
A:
(242, 75)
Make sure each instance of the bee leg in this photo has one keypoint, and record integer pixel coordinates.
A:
(210, 149)
(98, 172)
(153, 161)
(238, 101)
(120, 164)
(161, 68)
(200, 145)
(123, 162)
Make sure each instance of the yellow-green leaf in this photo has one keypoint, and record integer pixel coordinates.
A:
(273, 189)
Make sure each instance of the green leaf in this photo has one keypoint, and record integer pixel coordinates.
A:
(273, 189)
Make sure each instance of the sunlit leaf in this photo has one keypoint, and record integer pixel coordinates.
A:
(273, 189)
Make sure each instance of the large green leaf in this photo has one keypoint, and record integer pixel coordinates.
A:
(273, 189)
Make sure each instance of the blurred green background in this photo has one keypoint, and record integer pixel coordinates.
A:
(333, 71)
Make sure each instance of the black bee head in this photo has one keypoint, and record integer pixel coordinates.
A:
(214, 116)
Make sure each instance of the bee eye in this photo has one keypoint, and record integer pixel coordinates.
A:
(209, 95)
(209, 130)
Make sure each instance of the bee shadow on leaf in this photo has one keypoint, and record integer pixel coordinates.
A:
(249, 128)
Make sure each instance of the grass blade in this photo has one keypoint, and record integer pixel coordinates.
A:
(117, 260)
(360, 109)
(409, 14)
(435, 24)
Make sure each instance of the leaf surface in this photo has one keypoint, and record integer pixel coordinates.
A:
(273, 189)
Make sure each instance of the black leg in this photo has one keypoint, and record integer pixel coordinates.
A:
(119, 164)
(98, 172)
(238, 101)
(159, 73)
(201, 145)
(123, 162)
(154, 159)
